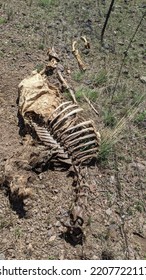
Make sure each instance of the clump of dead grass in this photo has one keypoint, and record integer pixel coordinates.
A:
(111, 136)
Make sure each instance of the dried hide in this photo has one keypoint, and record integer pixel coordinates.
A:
(37, 95)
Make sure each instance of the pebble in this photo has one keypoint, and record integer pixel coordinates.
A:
(112, 179)
(143, 79)
(121, 43)
(55, 191)
(95, 257)
(2, 256)
(61, 256)
(108, 211)
(31, 229)
(49, 232)
(40, 176)
(52, 238)
(49, 226)
(138, 165)
(88, 82)
(58, 224)
(30, 249)
(125, 71)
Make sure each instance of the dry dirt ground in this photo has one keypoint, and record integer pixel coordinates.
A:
(115, 218)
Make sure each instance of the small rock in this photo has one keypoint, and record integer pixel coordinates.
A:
(50, 232)
(50, 226)
(121, 43)
(92, 188)
(40, 176)
(30, 249)
(144, 230)
(138, 165)
(55, 191)
(143, 124)
(26, 25)
(112, 179)
(61, 257)
(2, 256)
(125, 71)
(143, 79)
(58, 224)
(31, 229)
(136, 76)
(95, 257)
(52, 238)
(141, 166)
(88, 82)
(108, 211)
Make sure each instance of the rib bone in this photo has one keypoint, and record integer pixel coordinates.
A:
(60, 113)
(60, 106)
(77, 133)
(84, 145)
(54, 127)
(71, 143)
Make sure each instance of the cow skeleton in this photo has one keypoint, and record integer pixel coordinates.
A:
(59, 126)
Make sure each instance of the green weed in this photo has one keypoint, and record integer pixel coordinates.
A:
(41, 47)
(4, 223)
(46, 3)
(135, 97)
(91, 94)
(130, 211)
(29, 2)
(2, 20)
(79, 95)
(100, 78)
(10, 14)
(1, 53)
(51, 258)
(104, 152)
(78, 76)
(109, 119)
(39, 67)
(89, 221)
(139, 206)
(17, 233)
(140, 117)
(67, 95)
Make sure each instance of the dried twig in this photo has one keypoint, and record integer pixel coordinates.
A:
(90, 104)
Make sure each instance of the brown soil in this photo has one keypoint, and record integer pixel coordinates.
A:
(115, 216)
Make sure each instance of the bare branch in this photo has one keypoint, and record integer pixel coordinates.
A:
(90, 104)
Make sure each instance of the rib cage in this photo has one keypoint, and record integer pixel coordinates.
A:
(75, 142)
